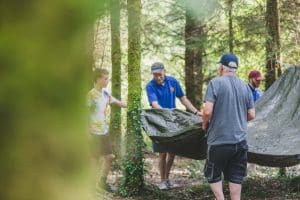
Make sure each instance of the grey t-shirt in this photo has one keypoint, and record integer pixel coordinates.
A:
(232, 98)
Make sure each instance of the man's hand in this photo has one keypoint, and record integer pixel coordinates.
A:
(250, 114)
(199, 113)
(184, 100)
(155, 105)
(204, 126)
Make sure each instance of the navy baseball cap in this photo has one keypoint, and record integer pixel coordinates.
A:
(229, 60)
(157, 67)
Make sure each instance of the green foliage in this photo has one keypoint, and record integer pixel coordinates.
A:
(44, 64)
(290, 31)
(162, 36)
(133, 181)
(282, 172)
(201, 9)
(294, 184)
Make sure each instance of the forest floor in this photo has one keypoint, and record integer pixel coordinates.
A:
(188, 174)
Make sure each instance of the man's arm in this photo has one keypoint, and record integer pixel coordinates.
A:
(152, 97)
(207, 113)
(250, 114)
(155, 105)
(184, 100)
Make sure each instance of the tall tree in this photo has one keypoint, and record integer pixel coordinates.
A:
(133, 164)
(194, 36)
(272, 41)
(230, 27)
(115, 117)
(273, 48)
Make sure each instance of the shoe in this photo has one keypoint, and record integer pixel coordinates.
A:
(163, 185)
(171, 184)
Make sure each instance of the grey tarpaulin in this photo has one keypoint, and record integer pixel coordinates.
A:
(273, 137)
(180, 131)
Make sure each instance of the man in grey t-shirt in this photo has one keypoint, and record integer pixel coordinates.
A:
(228, 107)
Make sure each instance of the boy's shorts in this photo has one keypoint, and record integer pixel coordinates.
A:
(100, 145)
(229, 159)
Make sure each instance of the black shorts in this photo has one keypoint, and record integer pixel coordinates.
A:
(100, 145)
(229, 159)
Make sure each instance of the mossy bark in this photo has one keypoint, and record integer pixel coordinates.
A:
(133, 164)
(115, 117)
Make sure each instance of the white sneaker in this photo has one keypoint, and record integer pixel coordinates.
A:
(171, 184)
(163, 185)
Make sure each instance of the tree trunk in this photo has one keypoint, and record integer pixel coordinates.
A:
(133, 166)
(198, 76)
(230, 27)
(194, 39)
(272, 41)
(273, 48)
(189, 58)
(115, 117)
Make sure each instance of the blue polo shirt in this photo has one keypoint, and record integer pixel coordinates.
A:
(256, 93)
(165, 94)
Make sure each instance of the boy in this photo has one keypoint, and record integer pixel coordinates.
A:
(98, 101)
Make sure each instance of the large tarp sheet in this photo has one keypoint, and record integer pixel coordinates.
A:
(179, 131)
(273, 137)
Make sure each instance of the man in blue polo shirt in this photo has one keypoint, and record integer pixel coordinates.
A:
(162, 91)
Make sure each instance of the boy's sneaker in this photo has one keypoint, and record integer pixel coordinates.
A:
(163, 185)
